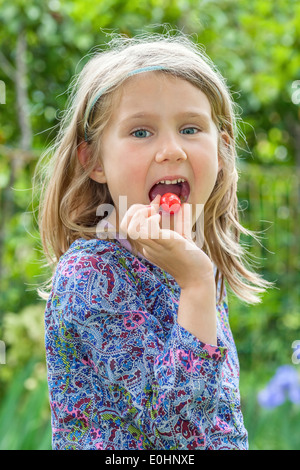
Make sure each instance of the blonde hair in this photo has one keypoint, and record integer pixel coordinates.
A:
(70, 198)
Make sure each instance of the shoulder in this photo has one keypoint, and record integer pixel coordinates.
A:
(86, 265)
(86, 256)
(94, 274)
(89, 251)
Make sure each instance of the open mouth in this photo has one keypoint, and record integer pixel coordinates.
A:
(181, 189)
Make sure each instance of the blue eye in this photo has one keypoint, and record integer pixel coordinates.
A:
(141, 133)
(190, 130)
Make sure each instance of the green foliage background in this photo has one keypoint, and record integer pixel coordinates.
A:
(256, 46)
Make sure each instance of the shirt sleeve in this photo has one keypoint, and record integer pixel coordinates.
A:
(164, 391)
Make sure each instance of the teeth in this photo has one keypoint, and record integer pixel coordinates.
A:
(180, 180)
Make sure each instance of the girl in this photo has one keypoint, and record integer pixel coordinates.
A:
(139, 350)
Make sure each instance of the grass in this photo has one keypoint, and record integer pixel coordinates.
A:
(24, 414)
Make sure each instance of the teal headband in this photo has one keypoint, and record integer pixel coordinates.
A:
(103, 90)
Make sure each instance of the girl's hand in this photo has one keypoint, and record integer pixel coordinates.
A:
(172, 250)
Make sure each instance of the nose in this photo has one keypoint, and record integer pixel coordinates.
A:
(170, 149)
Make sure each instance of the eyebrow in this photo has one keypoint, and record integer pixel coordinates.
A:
(186, 114)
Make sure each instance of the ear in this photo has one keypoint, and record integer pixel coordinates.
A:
(97, 174)
(224, 141)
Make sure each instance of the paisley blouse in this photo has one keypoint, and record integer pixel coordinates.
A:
(122, 373)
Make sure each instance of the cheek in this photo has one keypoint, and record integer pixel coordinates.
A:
(207, 163)
(127, 177)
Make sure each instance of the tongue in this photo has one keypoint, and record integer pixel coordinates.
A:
(182, 190)
(163, 189)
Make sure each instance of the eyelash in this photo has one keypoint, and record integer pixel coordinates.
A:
(145, 130)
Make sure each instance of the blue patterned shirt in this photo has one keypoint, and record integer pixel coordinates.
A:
(122, 373)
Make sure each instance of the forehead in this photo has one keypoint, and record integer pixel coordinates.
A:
(158, 92)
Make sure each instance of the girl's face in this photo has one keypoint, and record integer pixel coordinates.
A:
(161, 129)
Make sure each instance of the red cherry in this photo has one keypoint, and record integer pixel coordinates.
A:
(170, 203)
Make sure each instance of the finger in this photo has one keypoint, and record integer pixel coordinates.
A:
(150, 228)
(154, 205)
(127, 217)
(135, 211)
(139, 225)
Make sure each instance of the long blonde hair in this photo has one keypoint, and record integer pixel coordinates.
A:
(69, 197)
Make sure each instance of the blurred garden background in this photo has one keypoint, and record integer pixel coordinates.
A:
(256, 46)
